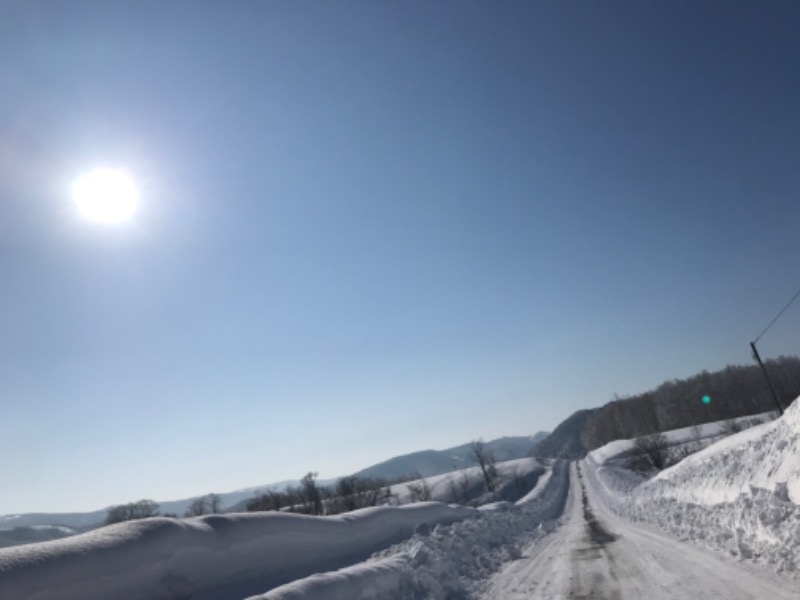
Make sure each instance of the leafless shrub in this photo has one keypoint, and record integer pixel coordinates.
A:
(731, 426)
(677, 453)
(654, 448)
(142, 509)
(419, 491)
(196, 508)
(458, 488)
(210, 504)
(312, 498)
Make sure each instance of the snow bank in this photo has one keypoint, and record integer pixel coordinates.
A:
(764, 456)
(210, 557)
(441, 486)
(740, 495)
(453, 561)
(388, 578)
(707, 432)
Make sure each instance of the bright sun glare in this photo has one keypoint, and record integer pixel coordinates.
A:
(106, 196)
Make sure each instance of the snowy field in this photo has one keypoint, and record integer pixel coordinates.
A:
(722, 523)
(221, 557)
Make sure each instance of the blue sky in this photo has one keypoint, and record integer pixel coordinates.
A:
(370, 228)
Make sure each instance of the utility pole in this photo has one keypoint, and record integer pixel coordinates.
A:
(769, 384)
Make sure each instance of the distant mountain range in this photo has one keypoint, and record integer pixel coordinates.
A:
(436, 462)
(29, 527)
(91, 520)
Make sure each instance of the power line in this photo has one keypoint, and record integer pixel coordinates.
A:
(771, 323)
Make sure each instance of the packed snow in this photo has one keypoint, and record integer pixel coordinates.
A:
(595, 554)
(210, 557)
(442, 562)
(739, 496)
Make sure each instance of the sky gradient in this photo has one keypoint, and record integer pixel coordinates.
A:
(371, 228)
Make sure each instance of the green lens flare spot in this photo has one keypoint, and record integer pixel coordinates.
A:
(706, 399)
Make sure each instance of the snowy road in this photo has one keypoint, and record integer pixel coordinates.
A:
(595, 555)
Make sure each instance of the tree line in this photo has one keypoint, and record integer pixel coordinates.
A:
(146, 508)
(348, 493)
(309, 497)
(734, 391)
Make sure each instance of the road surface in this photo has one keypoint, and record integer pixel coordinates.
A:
(596, 555)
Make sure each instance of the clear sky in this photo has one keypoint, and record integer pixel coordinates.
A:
(369, 228)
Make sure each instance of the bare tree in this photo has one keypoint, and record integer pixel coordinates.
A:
(142, 509)
(486, 461)
(278, 500)
(196, 508)
(347, 494)
(210, 504)
(214, 503)
(117, 514)
(293, 496)
(264, 502)
(377, 491)
(654, 448)
(419, 491)
(312, 498)
(351, 493)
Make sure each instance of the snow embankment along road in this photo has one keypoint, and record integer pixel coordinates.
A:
(212, 557)
(701, 435)
(442, 487)
(454, 561)
(598, 555)
(740, 496)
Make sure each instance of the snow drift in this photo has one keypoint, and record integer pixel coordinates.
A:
(446, 561)
(740, 495)
(210, 557)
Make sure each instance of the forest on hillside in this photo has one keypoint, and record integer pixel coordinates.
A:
(735, 391)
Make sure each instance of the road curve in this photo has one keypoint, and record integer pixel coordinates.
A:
(596, 555)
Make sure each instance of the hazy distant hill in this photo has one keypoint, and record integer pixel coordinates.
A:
(435, 462)
(29, 535)
(565, 441)
(91, 520)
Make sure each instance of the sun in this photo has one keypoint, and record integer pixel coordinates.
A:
(106, 196)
